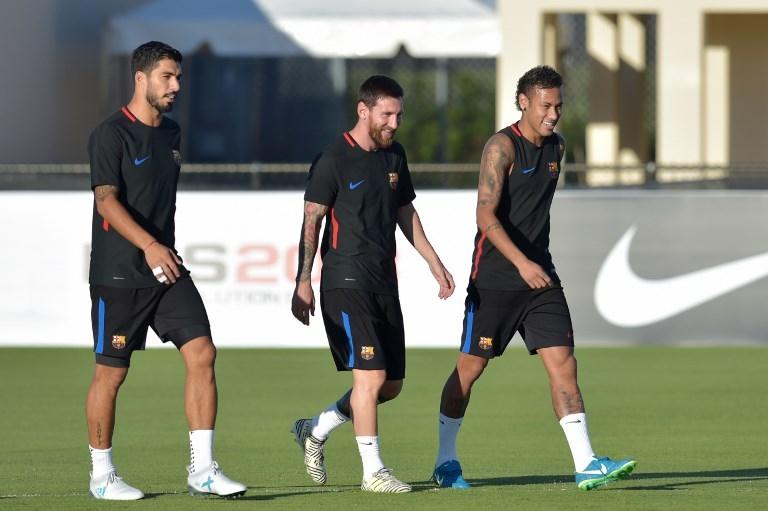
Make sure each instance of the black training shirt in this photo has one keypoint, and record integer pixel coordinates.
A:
(143, 162)
(523, 211)
(364, 191)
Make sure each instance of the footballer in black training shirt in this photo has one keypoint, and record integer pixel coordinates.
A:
(362, 187)
(137, 278)
(513, 284)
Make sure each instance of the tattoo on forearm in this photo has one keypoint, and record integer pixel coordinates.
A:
(310, 234)
(492, 227)
(101, 192)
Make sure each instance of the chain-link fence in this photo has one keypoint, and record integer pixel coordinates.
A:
(260, 176)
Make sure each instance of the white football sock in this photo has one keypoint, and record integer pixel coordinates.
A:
(369, 453)
(575, 429)
(328, 420)
(448, 430)
(200, 449)
(101, 461)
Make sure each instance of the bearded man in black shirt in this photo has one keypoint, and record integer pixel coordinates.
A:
(362, 186)
(137, 278)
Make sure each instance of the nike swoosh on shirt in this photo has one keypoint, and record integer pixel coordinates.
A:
(627, 300)
(352, 185)
(137, 161)
(528, 171)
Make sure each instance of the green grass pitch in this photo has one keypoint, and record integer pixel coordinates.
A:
(696, 419)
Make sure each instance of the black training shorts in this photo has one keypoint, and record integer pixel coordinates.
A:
(492, 317)
(120, 317)
(365, 331)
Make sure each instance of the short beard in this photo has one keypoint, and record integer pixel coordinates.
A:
(380, 141)
(155, 102)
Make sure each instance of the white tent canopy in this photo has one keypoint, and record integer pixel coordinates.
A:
(324, 29)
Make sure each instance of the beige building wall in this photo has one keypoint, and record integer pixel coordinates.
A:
(711, 74)
(737, 46)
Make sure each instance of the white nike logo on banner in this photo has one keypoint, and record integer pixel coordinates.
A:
(626, 300)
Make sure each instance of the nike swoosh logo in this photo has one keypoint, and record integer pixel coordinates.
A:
(138, 162)
(528, 171)
(352, 185)
(626, 300)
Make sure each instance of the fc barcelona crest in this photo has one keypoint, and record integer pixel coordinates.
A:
(554, 169)
(118, 342)
(393, 179)
(366, 352)
(485, 343)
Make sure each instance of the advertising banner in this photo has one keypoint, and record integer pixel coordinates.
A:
(638, 267)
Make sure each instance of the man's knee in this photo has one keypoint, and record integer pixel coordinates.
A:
(199, 353)
(470, 367)
(109, 377)
(368, 383)
(559, 362)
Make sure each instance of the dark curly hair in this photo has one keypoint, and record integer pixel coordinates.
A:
(146, 56)
(543, 77)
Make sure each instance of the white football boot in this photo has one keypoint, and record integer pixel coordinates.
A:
(212, 481)
(111, 486)
(384, 482)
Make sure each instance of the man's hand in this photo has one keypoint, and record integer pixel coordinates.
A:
(534, 275)
(303, 301)
(444, 279)
(164, 263)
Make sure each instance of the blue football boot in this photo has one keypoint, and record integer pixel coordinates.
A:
(449, 475)
(602, 471)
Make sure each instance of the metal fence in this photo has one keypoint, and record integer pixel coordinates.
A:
(263, 176)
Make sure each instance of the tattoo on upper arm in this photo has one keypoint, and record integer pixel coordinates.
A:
(495, 162)
(310, 234)
(101, 192)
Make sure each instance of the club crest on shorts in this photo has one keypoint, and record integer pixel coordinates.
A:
(554, 171)
(394, 177)
(118, 342)
(485, 343)
(367, 352)
(176, 157)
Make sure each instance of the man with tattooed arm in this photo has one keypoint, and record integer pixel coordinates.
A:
(362, 187)
(137, 278)
(513, 284)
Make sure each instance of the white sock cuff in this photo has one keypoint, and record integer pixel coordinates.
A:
(574, 417)
(450, 420)
(367, 439)
(99, 451)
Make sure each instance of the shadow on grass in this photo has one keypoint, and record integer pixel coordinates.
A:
(703, 477)
(291, 491)
(707, 477)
